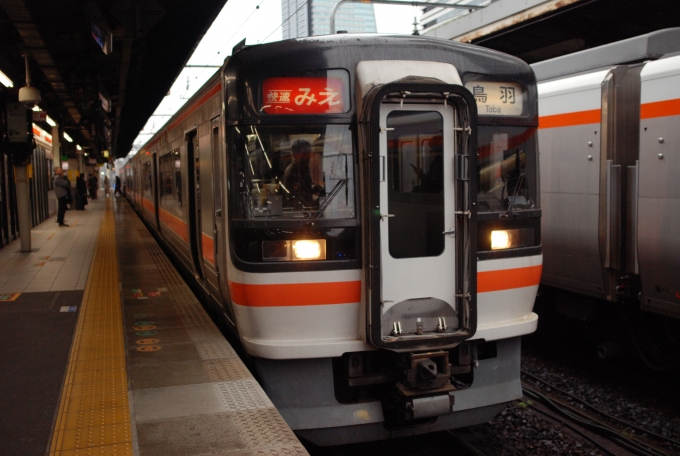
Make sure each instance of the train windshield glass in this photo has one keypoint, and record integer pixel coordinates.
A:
(295, 172)
(506, 157)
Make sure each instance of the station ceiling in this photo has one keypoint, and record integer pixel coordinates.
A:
(582, 25)
(102, 66)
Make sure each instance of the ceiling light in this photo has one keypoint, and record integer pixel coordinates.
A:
(7, 82)
(67, 137)
(78, 147)
(36, 108)
(49, 120)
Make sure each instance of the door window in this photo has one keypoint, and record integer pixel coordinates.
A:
(415, 170)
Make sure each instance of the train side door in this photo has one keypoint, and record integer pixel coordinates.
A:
(194, 196)
(155, 191)
(207, 207)
(421, 262)
(218, 244)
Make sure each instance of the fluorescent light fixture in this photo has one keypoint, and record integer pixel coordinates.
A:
(7, 82)
(50, 121)
(78, 147)
(36, 108)
(67, 137)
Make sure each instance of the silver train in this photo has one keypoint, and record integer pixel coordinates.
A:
(609, 135)
(362, 212)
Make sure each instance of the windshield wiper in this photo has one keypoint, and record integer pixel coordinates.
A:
(341, 183)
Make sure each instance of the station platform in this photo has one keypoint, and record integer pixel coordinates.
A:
(105, 350)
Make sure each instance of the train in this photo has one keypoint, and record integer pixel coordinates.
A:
(362, 212)
(609, 135)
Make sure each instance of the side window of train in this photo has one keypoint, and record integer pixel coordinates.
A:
(505, 153)
(170, 182)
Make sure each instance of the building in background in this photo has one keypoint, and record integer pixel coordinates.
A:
(312, 17)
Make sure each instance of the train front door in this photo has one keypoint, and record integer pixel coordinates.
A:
(421, 265)
(416, 209)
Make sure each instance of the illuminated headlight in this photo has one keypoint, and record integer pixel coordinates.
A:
(309, 250)
(511, 239)
(500, 239)
(300, 250)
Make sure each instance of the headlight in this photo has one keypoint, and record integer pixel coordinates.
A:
(511, 239)
(309, 250)
(500, 239)
(299, 250)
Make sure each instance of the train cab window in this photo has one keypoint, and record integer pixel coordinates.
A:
(506, 156)
(294, 172)
(170, 182)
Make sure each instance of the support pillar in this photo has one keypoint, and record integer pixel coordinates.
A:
(56, 149)
(23, 207)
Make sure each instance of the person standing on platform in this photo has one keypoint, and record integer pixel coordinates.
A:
(92, 184)
(116, 186)
(81, 193)
(107, 186)
(62, 190)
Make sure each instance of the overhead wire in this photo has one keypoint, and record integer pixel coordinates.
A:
(287, 19)
(257, 7)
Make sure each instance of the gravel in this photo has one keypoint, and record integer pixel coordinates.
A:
(518, 430)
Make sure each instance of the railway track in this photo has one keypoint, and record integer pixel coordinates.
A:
(609, 433)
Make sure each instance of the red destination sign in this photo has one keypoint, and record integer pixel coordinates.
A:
(325, 95)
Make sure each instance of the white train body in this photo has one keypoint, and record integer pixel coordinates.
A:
(408, 319)
(609, 133)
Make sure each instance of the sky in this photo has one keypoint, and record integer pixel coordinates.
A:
(258, 21)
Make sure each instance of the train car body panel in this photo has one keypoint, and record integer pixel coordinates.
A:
(628, 202)
(505, 297)
(570, 132)
(658, 207)
(311, 408)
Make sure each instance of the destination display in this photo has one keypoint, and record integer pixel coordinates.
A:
(310, 95)
(497, 98)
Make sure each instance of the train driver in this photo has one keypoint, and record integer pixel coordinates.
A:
(297, 178)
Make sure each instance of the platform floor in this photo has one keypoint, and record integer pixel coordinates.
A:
(107, 351)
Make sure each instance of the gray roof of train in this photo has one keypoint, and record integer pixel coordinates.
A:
(644, 47)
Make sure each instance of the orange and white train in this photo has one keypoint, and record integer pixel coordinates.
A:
(609, 133)
(362, 211)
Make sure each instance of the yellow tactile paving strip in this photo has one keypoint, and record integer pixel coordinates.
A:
(94, 414)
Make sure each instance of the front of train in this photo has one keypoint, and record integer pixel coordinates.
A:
(383, 230)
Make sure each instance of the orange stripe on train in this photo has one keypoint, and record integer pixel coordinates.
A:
(660, 109)
(570, 119)
(507, 279)
(311, 294)
(296, 294)
(176, 224)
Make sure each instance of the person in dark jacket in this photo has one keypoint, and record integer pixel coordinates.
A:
(81, 193)
(62, 189)
(116, 186)
(92, 183)
(298, 177)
